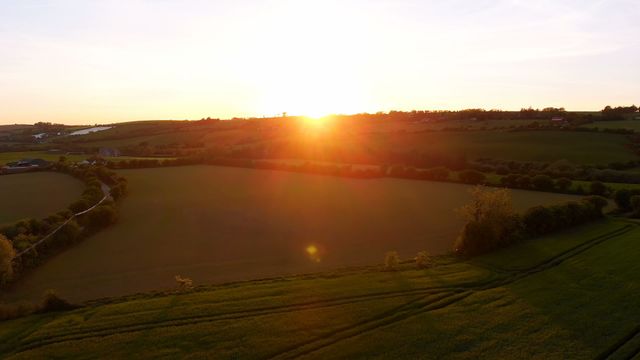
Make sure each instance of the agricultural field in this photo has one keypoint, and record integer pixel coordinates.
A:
(576, 147)
(36, 194)
(619, 124)
(569, 295)
(217, 224)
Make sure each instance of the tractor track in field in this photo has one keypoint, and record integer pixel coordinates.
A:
(308, 347)
(617, 347)
(427, 299)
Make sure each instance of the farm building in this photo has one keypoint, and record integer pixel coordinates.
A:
(24, 165)
(109, 152)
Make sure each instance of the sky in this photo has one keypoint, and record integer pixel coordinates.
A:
(88, 62)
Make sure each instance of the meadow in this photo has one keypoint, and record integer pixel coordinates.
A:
(569, 295)
(36, 194)
(217, 224)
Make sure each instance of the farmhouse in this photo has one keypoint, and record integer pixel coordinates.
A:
(108, 152)
(24, 165)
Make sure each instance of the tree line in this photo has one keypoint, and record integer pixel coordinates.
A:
(19, 236)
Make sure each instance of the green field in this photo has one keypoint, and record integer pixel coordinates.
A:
(620, 124)
(577, 147)
(217, 224)
(571, 295)
(35, 195)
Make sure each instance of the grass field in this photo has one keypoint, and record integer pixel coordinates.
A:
(621, 124)
(217, 224)
(6, 157)
(571, 295)
(37, 194)
(577, 147)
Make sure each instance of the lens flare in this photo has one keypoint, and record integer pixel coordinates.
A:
(313, 252)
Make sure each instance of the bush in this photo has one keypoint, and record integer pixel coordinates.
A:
(524, 181)
(423, 260)
(563, 184)
(542, 182)
(491, 222)
(597, 188)
(7, 253)
(100, 217)
(622, 199)
(538, 220)
(52, 302)
(13, 311)
(472, 177)
(184, 284)
(598, 202)
(391, 260)
(635, 205)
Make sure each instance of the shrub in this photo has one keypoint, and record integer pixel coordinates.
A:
(563, 184)
(184, 284)
(391, 260)
(491, 222)
(472, 177)
(439, 173)
(52, 302)
(423, 260)
(597, 188)
(622, 199)
(538, 220)
(598, 202)
(542, 182)
(12, 311)
(7, 253)
(510, 180)
(524, 181)
(100, 217)
(635, 205)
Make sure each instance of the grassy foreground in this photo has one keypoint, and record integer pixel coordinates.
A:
(572, 295)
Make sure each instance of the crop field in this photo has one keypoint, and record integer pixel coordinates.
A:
(577, 147)
(217, 224)
(540, 298)
(36, 194)
(620, 124)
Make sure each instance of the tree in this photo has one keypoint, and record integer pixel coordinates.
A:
(524, 181)
(472, 177)
(391, 260)
(622, 198)
(542, 182)
(563, 184)
(491, 221)
(423, 260)
(598, 203)
(7, 254)
(597, 188)
(635, 205)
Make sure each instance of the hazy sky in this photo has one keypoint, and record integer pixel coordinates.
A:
(108, 61)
